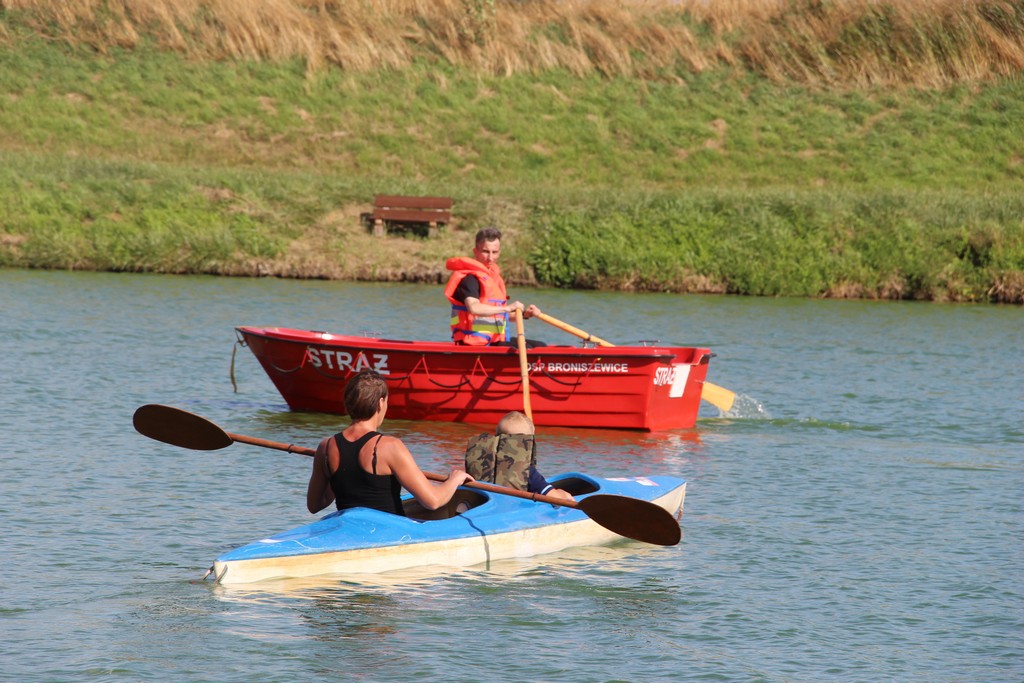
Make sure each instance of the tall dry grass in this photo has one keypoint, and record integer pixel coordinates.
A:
(923, 43)
(874, 42)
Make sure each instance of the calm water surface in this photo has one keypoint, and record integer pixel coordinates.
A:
(857, 518)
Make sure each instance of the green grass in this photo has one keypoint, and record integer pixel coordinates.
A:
(894, 245)
(433, 123)
(143, 160)
(128, 217)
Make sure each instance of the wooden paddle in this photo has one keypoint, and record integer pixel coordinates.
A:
(630, 517)
(524, 366)
(720, 397)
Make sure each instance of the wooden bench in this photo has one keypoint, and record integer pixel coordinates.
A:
(423, 215)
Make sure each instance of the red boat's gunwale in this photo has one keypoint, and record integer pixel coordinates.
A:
(625, 387)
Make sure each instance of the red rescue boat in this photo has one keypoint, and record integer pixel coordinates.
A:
(623, 387)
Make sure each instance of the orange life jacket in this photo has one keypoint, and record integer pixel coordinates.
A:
(477, 330)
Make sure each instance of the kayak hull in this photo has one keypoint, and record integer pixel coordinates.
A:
(498, 527)
(623, 387)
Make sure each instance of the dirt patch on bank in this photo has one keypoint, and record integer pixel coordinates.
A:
(341, 246)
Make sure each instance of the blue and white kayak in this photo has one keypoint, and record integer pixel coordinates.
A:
(474, 528)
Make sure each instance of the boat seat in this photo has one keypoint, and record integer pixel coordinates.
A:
(462, 500)
(577, 486)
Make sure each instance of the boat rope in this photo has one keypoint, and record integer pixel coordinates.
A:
(348, 373)
(239, 341)
(235, 348)
(491, 378)
(426, 369)
(234, 384)
(421, 365)
(466, 378)
(394, 378)
(305, 355)
(207, 574)
(461, 383)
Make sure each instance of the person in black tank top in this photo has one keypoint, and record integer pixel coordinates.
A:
(360, 467)
(355, 487)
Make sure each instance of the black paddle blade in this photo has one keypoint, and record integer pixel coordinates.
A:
(633, 518)
(179, 428)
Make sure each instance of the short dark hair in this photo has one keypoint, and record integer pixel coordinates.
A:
(363, 394)
(488, 234)
(515, 422)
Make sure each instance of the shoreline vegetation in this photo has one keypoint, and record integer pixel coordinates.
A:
(848, 149)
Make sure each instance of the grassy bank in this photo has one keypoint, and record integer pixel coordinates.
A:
(813, 149)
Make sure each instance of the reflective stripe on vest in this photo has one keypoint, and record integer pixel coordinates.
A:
(478, 329)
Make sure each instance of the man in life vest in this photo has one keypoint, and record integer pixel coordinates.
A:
(509, 457)
(476, 290)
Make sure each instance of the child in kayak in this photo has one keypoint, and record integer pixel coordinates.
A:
(509, 457)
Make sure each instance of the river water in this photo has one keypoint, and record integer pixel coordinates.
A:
(858, 517)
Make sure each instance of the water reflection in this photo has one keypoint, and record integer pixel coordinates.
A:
(414, 584)
(338, 615)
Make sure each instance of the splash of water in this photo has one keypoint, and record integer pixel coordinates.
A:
(746, 407)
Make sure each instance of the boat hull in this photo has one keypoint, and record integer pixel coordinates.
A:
(624, 387)
(364, 541)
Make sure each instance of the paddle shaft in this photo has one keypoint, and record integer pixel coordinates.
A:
(483, 486)
(719, 397)
(524, 366)
(566, 327)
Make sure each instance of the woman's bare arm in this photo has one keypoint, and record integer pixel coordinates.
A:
(402, 465)
(319, 493)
